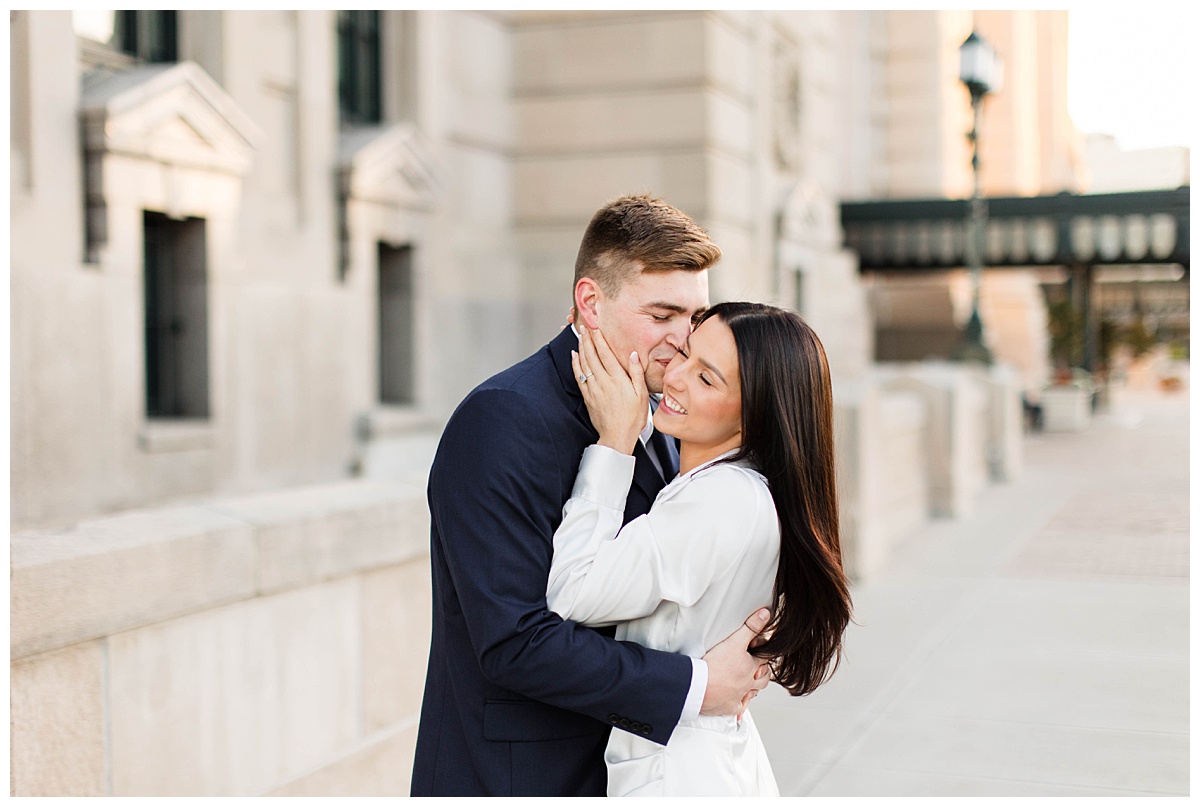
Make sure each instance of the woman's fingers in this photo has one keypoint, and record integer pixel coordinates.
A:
(637, 375)
(587, 349)
(580, 373)
(606, 356)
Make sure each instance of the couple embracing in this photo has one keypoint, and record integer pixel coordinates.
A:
(633, 531)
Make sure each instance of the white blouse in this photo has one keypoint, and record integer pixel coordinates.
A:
(680, 578)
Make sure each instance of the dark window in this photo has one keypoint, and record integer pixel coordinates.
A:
(359, 97)
(151, 36)
(176, 302)
(396, 325)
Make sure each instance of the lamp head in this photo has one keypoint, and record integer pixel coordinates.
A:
(979, 68)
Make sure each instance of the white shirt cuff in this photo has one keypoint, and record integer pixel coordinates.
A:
(695, 698)
(604, 476)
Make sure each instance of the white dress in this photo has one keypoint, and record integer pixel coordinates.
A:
(680, 578)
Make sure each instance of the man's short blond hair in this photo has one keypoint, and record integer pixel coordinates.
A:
(641, 234)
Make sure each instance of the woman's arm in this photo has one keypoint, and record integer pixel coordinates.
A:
(602, 573)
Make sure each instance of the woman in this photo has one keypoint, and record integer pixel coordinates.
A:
(751, 520)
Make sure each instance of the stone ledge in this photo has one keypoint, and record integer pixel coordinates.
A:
(185, 435)
(128, 570)
(380, 766)
(326, 531)
(110, 574)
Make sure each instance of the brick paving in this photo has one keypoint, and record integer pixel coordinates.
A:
(1039, 646)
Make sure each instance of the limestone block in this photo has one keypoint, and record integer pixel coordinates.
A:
(570, 189)
(396, 615)
(612, 121)
(883, 487)
(475, 95)
(57, 723)
(958, 434)
(1066, 409)
(119, 572)
(235, 699)
(731, 57)
(317, 532)
(1006, 423)
(730, 190)
(636, 52)
(902, 457)
(480, 201)
(852, 434)
(739, 275)
(383, 767)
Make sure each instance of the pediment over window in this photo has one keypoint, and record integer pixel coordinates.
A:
(393, 166)
(174, 114)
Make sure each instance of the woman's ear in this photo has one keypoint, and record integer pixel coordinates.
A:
(588, 296)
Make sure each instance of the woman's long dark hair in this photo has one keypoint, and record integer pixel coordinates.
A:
(787, 434)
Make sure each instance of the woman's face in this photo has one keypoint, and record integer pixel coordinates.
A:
(702, 392)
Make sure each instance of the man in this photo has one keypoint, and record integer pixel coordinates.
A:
(517, 700)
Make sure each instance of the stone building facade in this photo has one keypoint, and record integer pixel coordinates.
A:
(258, 256)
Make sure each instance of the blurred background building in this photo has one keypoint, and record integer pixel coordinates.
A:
(258, 257)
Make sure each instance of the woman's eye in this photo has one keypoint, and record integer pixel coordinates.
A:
(707, 383)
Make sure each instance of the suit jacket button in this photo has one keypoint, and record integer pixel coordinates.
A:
(614, 719)
(635, 726)
(646, 730)
(624, 723)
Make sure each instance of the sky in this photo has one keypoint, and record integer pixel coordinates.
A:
(1132, 73)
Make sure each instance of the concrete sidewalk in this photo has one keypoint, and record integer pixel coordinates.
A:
(1036, 647)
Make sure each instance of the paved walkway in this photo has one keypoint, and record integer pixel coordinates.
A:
(1036, 647)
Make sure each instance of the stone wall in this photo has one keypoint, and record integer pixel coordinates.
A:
(269, 644)
(919, 441)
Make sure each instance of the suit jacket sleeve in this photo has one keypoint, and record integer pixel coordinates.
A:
(495, 494)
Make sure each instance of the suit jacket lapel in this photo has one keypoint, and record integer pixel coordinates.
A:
(560, 348)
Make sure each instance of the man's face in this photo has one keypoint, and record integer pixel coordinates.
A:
(652, 314)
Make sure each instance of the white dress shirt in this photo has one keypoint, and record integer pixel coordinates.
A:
(680, 578)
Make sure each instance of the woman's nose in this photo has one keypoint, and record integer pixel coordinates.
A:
(671, 376)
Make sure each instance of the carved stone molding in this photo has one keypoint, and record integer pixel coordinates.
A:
(390, 166)
(172, 115)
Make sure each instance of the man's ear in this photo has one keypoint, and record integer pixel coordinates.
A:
(587, 303)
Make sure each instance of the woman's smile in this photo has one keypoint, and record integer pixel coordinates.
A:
(672, 405)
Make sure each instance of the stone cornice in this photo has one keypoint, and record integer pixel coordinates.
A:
(392, 165)
(174, 114)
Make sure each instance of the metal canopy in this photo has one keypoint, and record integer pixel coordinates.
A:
(1142, 227)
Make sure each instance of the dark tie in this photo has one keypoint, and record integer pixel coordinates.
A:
(666, 458)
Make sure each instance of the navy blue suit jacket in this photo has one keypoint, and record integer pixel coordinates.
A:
(517, 700)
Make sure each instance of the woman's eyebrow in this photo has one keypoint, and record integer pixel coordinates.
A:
(713, 367)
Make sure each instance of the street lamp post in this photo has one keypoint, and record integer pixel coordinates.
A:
(980, 69)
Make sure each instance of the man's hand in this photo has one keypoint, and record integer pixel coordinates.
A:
(735, 676)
